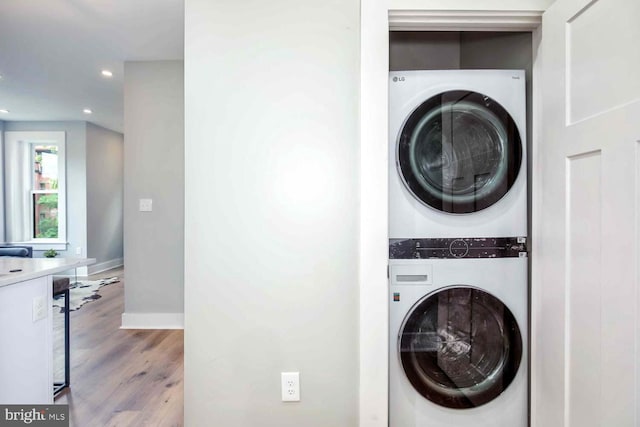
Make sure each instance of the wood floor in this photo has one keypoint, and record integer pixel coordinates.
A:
(122, 377)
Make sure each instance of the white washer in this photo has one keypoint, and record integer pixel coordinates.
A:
(457, 154)
(458, 341)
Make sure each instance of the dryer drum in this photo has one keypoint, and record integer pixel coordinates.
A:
(459, 152)
(460, 347)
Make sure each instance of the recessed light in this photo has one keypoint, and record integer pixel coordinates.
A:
(3, 111)
(107, 73)
(87, 111)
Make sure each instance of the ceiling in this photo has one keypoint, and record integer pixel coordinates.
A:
(52, 53)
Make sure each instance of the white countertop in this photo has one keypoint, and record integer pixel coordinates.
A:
(32, 268)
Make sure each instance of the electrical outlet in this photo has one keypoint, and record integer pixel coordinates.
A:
(146, 205)
(39, 309)
(79, 250)
(290, 386)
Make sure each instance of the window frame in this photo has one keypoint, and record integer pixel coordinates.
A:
(34, 138)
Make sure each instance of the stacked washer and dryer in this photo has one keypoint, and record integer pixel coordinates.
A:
(458, 256)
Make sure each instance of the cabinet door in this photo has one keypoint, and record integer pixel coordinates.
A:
(585, 361)
(26, 349)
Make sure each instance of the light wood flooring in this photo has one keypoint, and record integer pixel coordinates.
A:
(122, 377)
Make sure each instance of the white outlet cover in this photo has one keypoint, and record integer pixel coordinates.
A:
(146, 205)
(39, 311)
(290, 386)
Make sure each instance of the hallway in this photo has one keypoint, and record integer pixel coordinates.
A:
(122, 377)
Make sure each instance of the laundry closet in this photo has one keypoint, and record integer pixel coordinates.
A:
(460, 137)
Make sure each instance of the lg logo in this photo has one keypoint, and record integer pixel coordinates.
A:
(398, 79)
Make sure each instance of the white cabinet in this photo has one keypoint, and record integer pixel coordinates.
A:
(26, 352)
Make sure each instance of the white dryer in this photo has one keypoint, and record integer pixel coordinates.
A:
(457, 153)
(458, 333)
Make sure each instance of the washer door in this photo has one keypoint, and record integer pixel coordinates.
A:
(460, 347)
(459, 152)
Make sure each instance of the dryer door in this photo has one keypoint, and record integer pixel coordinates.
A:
(459, 152)
(460, 347)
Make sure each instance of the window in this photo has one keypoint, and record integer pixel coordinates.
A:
(34, 203)
(44, 194)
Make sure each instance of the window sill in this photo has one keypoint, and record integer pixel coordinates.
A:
(43, 245)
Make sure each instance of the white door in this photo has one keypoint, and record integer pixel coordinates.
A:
(585, 297)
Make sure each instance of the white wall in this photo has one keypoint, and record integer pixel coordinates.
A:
(1, 182)
(419, 50)
(154, 169)
(271, 202)
(76, 167)
(104, 197)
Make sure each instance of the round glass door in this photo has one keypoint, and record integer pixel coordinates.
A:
(459, 152)
(460, 347)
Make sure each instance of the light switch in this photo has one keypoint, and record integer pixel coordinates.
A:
(146, 205)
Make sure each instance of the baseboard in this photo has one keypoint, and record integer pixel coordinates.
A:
(104, 266)
(152, 321)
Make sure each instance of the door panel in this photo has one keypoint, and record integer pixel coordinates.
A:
(600, 34)
(585, 300)
(583, 287)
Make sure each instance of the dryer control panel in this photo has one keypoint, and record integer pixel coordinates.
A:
(495, 247)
